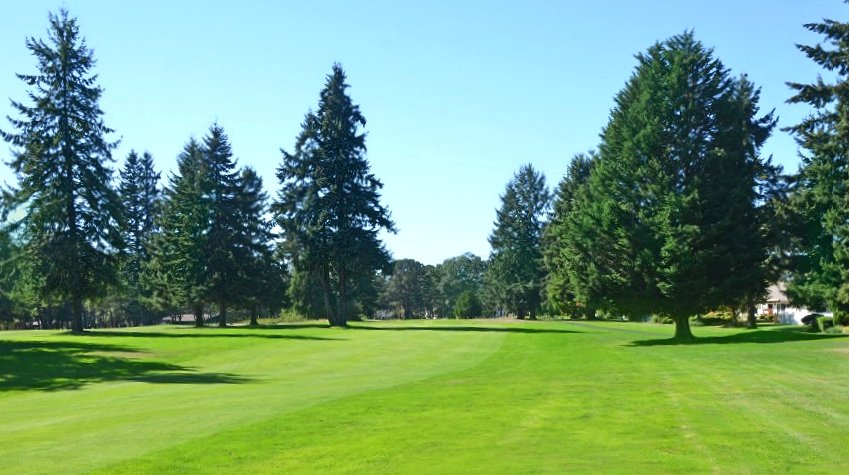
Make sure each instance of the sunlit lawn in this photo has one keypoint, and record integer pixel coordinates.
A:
(424, 397)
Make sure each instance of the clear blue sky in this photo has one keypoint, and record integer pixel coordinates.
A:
(457, 94)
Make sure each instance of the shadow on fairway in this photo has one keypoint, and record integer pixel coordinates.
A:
(59, 365)
(205, 332)
(781, 335)
(463, 328)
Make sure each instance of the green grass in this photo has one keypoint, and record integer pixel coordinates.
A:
(424, 397)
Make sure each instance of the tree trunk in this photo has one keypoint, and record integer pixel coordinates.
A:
(341, 317)
(751, 321)
(254, 313)
(533, 314)
(77, 315)
(198, 315)
(326, 293)
(682, 328)
(589, 313)
(222, 315)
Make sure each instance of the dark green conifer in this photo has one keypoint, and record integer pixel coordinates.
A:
(516, 267)
(71, 227)
(176, 273)
(821, 198)
(559, 295)
(140, 196)
(329, 202)
(657, 228)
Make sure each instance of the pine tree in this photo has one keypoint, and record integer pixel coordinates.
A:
(821, 199)
(140, 196)
(176, 273)
(674, 186)
(72, 222)
(329, 202)
(516, 265)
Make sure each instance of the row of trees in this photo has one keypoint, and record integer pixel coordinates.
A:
(207, 241)
(675, 214)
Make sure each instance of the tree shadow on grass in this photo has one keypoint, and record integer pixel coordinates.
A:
(780, 335)
(206, 332)
(464, 328)
(61, 365)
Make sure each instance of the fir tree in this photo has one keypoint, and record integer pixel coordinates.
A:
(226, 230)
(821, 198)
(140, 196)
(176, 273)
(516, 266)
(71, 227)
(559, 295)
(329, 202)
(260, 280)
(654, 230)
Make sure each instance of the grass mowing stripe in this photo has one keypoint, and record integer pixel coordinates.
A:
(281, 375)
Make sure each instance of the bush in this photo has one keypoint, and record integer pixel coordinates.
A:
(811, 321)
(662, 319)
(824, 323)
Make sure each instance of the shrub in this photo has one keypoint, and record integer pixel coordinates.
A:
(824, 323)
(662, 319)
(811, 321)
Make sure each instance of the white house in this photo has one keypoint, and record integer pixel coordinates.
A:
(778, 306)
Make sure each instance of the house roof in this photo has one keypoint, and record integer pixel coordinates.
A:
(776, 293)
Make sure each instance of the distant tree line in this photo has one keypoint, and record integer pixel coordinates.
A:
(676, 213)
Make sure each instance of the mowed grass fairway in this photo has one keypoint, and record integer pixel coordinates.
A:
(424, 397)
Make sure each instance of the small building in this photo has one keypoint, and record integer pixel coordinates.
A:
(778, 306)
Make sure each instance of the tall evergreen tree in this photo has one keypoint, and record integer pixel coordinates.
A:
(140, 196)
(654, 230)
(329, 202)
(176, 273)
(516, 267)
(821, 199)
(226, 231)
(260, 281)
(559, 296)
(71, 227)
